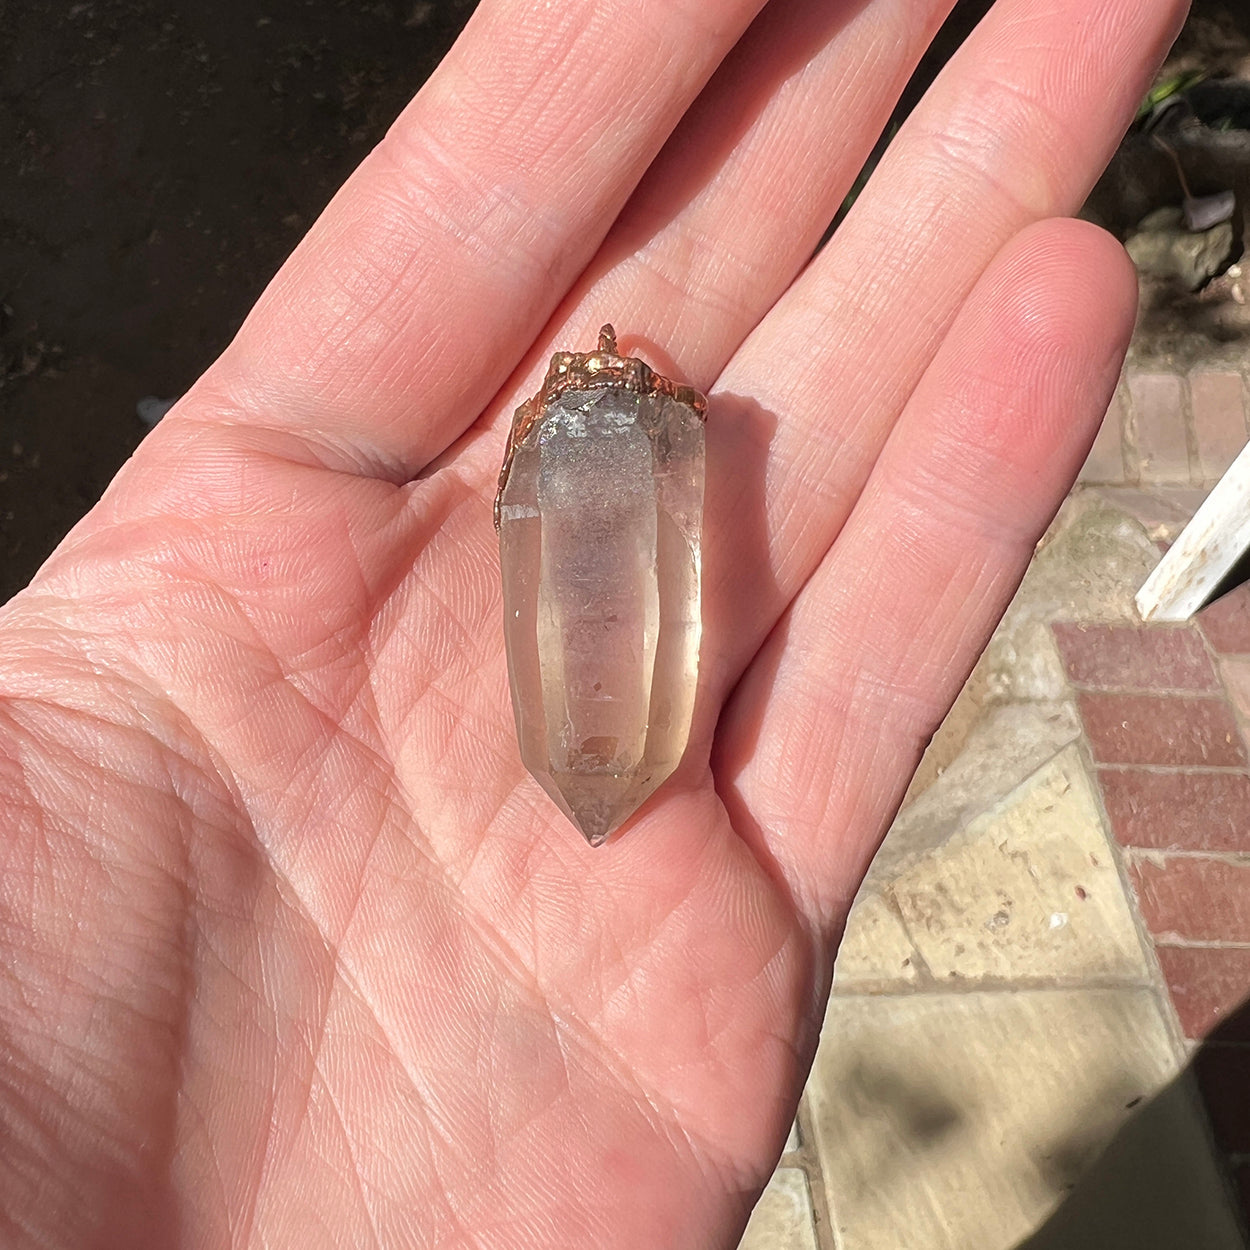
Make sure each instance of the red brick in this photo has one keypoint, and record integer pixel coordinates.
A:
(1178, 811)
(1226, 622)
(1237, 682)
(1135, 657)
(1159, 425)
(1223, 1073)
(1105, 462)
(1194, 898)
(1219, 420)
(1161, 729)
(1208, 985)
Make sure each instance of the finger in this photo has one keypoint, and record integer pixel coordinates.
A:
(829, 722)
(430, 273)
(1017, 128)
(756, 169)
(764, 538)
(737, 201)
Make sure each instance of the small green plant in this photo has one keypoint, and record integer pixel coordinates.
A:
(1177, 84)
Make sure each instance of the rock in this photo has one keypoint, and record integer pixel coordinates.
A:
(1173, 252)
(600, 533)
(1168, 219)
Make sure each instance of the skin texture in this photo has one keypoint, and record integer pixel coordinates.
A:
(294, 952)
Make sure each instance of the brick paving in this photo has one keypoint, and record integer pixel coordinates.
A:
(1178, 810)
(1170, 429)
(1219, 419)
(1159, 440)
(1131, 657)
(1165, 710)
(1165, 730)
(1059, 922)
(1193, 898)
(1207, 985)
(1226, 623)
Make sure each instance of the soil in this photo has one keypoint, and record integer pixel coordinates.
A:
(158, 160)
(1176, 328)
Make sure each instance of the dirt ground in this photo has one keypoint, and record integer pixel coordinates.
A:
(159, 159)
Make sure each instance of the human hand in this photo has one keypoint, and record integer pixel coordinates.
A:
(295, 952)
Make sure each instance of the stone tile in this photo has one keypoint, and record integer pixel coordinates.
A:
(876, 954)
(1101, 1213)
(793, 1141)
(1162, 511)
(964, 1121)
(1226, 622)
(1177, 811)
(1208, 986)
(1027, 890)
(1223, 1072)
(1218, 406)
(1010, 743)
(782, 1219)
(947, 744)
(1108, 657)
(1105, 462)
(1088, 566)
(1193, 898)
(1022, 661)
(1236, 671)
(1171, 730)
(1158, 426)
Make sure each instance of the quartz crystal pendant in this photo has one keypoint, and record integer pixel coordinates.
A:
(599, 514)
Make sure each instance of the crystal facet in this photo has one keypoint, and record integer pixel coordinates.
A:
(600, 514)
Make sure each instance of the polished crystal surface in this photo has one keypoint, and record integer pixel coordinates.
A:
(599, 531)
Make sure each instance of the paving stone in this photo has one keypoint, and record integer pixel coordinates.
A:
(1223, 1072)
(1010, 744)
(1177, 811)
(782, 1219)
(1170, 730)
(1218, 406)
(1105, 462)
(1236, 672)
(1226, 622)
(948, 743)
(1162, 511)
(1028, 890)
(1158, 426)
(1099, 1214)
(876, 954)
(1193, 898)
(1022, 661)
(1108, 657)
(962, 1121)
(1087, 568)
(1208, 986)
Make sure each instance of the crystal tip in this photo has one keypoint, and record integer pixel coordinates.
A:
(595, 824)
(596, 816)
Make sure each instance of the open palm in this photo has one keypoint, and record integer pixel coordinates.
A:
(295, 953)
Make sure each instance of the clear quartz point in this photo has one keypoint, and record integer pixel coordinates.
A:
(600, 526)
